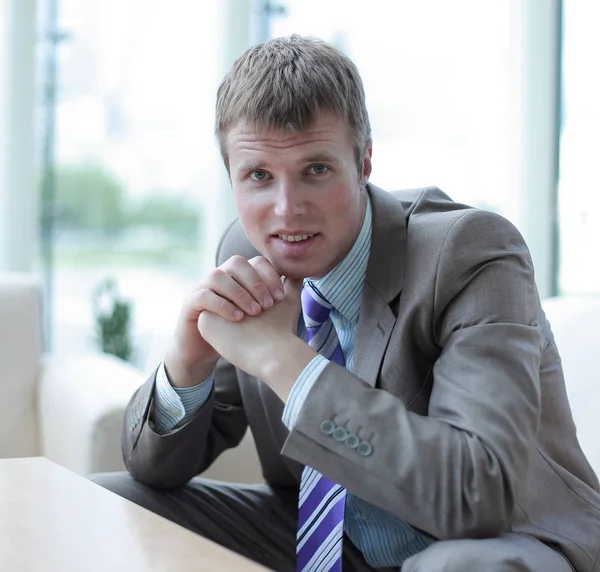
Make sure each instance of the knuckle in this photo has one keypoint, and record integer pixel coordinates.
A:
(258, 285)
(236, 260)
(258, 260)
(214, 278)
(196, 300)
(265, 269)
(261, 262)
(193, 298)
(241, 294)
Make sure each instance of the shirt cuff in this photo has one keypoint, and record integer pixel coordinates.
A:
(300, 390)
(175, 406)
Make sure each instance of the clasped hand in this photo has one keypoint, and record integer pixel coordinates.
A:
(255, 342)
(243, 312)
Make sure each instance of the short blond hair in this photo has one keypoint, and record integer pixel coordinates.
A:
(285, 82)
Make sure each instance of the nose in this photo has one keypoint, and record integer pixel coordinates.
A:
(289, 202)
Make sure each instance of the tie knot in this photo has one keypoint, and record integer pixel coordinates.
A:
(315, 307)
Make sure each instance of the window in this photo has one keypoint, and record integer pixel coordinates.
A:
(140, 191)
(579, 196)
(462, 95)
(436, 76)
(136, 167)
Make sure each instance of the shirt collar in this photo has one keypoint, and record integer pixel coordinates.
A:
(342, 286)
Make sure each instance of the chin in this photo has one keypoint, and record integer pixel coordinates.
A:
(289, 271)
(297, 271)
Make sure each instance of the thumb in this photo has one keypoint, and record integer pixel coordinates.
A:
(292, 287)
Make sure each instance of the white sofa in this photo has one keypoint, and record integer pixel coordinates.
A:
(67, 410)
(71, 410)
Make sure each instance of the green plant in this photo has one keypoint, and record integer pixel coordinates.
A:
(113, 320)
(176, 215)
(89, 197)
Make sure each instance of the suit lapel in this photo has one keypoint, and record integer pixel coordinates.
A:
(383, 283)
(373, 333)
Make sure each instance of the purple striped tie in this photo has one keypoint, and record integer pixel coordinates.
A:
(321, 502)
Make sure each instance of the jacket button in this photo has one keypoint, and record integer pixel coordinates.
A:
(340, 434)
(352, 441)
(327, 427)
(364, 448)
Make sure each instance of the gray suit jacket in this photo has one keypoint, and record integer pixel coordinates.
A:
(457, 386)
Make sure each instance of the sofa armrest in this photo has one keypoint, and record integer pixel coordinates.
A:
(81, 402)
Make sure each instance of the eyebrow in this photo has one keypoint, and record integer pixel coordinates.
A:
(251, 166)
(322, 158)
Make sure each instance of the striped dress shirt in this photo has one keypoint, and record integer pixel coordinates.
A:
(383, 539)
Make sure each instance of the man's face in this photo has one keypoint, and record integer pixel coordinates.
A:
(299, 194)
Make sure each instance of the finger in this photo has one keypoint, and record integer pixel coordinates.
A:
(205, 320)
(207, 300)
(292, 287)
(225, 285)
(269, 276)
(246, 275)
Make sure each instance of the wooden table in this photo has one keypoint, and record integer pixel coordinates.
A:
(54, 520)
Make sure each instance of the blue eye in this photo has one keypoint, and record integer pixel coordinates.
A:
(318, 169)
(259, 175)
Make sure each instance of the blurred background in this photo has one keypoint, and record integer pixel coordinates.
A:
(111, 186)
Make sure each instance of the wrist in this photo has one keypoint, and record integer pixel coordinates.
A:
(281, 364)
(181, 374)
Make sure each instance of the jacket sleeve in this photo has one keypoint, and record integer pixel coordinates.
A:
(457, 471)
(170, 460)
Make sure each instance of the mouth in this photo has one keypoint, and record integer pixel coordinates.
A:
(297, 245)
(293, 238)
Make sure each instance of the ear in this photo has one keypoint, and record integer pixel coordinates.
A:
(366, 165)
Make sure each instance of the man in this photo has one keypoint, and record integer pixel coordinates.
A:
(388, 352)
